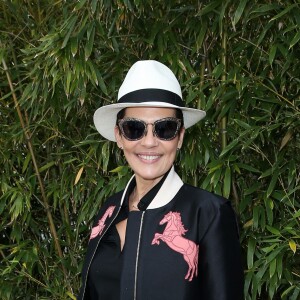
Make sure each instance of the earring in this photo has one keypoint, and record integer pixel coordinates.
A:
(178, 149)
(121, 147)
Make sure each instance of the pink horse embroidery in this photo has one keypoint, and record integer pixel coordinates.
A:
(97, 230)
(172, 236)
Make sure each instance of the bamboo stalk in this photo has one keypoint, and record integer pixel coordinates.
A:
(223, 123)
(202, 73)
(36, 168)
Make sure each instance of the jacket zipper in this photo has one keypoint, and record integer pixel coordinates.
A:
(87, 272)
(137, 256)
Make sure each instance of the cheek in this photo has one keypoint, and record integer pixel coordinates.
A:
(171, 151)
(129, 147)
(118, 137)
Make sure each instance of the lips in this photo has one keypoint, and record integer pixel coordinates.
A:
(148, 157)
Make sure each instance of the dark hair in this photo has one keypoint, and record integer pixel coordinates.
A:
(178, 115)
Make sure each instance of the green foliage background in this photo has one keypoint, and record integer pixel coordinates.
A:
(60, 60)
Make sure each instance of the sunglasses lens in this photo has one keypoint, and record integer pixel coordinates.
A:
(166, 129)
(133, 129)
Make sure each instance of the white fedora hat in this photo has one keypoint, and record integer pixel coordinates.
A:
(148, 83)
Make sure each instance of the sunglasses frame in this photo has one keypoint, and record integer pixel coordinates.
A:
(176, 120)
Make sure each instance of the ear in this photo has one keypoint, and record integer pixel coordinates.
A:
(181, 136)
(118, 137)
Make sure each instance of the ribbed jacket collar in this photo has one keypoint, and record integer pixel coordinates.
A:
(166, 193)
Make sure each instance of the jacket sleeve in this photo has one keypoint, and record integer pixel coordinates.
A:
(220, 264)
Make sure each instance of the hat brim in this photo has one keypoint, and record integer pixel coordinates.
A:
(105, 117)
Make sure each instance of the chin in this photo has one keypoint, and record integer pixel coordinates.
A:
(150, 174)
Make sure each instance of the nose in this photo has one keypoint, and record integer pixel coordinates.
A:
(149, 140)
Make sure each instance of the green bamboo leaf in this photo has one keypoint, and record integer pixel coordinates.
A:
(248, 280)
(105, 155)
(101, 82)
(248, 168)
(270, 248)
(287, 291)
(80, 4)
(205, 183)
(252, 189)
(255, 286)
(250, 252)
(266, 173)
(213, 169)
(215, 179)
(71, 296)
(47, 166)
(94, 5)
(261, 272)
(269, 209)
(295, 40)
(218, 70)
(236, 169)
(71, 25)
(292, 172)
(273, 230)
(229, 147)
(248, 224)
(26, 162)
(272, 286)
(279, 266)
(272, 53)
(273, 254)
(17, 207)
(272, 268)
(74, 45)
(208, 8)
(201, 36)
(227, 183)
(296, 214)
(27, 91)
(239, 11)
(242, 124)
(291, 230)
(90, 42)
(264, 32)
(160, 45)
(93, 73)
(256, 215)
(117, 169)
(69, 78)
(215, 164)
(273, 182)
(284, 12)
(296, 293)
(206, 156)
(264, 8)
(16, 235)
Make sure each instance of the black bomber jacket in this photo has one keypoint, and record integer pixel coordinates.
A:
(184, 246)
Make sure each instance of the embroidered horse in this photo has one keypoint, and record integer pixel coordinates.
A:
(97, 230)
(172, 236)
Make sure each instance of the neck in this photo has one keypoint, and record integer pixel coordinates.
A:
(141, 189)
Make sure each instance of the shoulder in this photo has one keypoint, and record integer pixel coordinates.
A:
(203, 197)
(208, 205)
(215, 213)
(112, 201)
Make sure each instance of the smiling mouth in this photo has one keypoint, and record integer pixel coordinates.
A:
(149, 157)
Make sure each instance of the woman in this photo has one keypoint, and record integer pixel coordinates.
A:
(159, 238)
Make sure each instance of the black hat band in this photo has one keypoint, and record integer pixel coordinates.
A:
(152, 95)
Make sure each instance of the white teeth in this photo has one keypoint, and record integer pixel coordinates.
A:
(149, 157)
